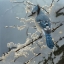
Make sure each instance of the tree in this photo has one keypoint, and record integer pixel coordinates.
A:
(34, 50)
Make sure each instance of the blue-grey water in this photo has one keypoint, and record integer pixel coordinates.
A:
(8, 14)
